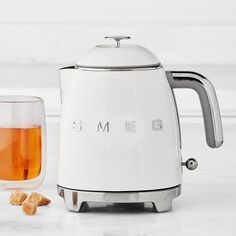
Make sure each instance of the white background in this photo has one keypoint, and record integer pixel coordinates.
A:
(38, 37)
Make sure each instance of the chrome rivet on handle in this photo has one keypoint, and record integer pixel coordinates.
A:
(190, 164)
(117, 38)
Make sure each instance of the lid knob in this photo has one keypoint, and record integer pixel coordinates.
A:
(117, 39)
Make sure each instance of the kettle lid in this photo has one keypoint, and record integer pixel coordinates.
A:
(118, 55)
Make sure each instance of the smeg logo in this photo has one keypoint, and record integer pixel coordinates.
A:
(130, 126)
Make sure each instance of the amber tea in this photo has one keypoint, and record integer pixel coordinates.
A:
(20, 153)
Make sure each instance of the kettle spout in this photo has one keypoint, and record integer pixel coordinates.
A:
(66, 74)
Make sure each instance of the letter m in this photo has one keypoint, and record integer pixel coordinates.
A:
(103, 127)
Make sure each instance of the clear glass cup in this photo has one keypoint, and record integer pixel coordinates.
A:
(22, 141)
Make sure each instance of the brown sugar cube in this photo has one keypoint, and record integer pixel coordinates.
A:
(39, 199)
(17, 197)
(29, 208)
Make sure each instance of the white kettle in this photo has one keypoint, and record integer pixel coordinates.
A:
(120, 136)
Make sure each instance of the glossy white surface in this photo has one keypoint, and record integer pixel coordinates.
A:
(99, 150)
(207, 205)
(127, 55)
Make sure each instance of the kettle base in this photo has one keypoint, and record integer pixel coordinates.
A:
(161, 199)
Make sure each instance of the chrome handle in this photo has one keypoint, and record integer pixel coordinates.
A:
(208, 100)
(117, 38)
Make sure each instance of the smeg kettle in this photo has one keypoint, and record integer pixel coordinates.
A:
(119, 133)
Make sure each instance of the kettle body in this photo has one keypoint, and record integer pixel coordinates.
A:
(119, 134)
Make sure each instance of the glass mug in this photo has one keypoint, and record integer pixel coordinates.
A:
(22, 141)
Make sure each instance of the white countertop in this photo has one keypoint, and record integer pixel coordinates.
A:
(201, 210)
(207, 205)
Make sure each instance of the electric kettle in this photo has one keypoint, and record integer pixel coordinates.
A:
(119, 134)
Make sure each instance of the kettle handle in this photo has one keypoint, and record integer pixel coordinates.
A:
(208, 100)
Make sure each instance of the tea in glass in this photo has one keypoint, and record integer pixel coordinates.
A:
(22, 146)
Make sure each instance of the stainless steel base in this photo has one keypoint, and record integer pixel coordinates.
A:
(161, 199)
